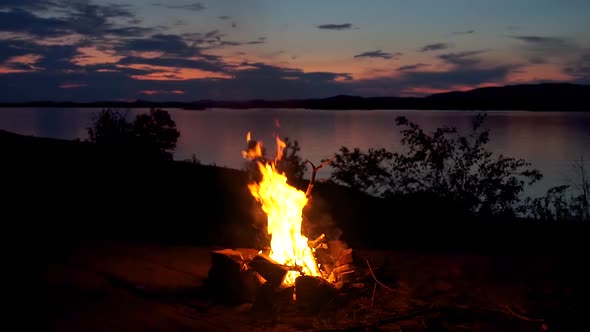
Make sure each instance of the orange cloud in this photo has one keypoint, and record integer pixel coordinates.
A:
(539, 72)
(161, 73)
(62, 40)
(307, 64)
(72, 85)
(157, 92)
(8, 70)
(147, 54)
(94, 56)
(28, 59)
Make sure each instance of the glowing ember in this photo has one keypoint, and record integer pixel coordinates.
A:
(283, 204)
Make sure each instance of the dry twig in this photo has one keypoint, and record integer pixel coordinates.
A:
(376, 280)
(519, 316)
(314, 170)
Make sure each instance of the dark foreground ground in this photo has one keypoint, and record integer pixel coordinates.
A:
(114, 243)
(115, 286)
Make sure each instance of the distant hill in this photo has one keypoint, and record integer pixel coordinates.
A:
(548, 96)
(532, 97)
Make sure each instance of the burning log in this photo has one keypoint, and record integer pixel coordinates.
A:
(312, 293)
(245, 276)
(317, 242)
(230, 280)
(270, 298)
(270, 270)
(343, 273)
(345, 257)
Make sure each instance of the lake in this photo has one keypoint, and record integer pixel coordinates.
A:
(551, 141)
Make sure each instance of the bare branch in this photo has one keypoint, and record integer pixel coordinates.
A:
(314, 170)
(376, 280)
(315, 243)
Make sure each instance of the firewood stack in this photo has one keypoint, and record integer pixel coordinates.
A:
(337, 261)
(241, 276)
(230, 280)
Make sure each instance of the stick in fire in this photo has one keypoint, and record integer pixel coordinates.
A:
(314, 170)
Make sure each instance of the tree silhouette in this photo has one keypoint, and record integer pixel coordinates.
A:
(156, 133)
(445, 164)
(153, 135)
(110, 127)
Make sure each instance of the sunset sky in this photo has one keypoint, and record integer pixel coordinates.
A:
(274, 49)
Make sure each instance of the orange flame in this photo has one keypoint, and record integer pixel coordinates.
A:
(283, 205)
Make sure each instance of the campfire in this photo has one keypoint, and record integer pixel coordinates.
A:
(293, 267)
(283, 204)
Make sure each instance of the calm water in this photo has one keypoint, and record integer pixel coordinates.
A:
(551, 141)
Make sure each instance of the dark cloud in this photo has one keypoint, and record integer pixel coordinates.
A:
(253, 80)
(169, 44)
(214, 39)
(229, 43)
(537, 60)
(46, 86)
(110, 10)
(541, 49)
(129, 31)
(81, 17)
(539, 39)
(95, 20)
(344, 26)
(378, 54)
(197, 6)
(101, 25)
(28, 4)
(52, 58)
(465, 58)
(283, 83)
(580, 69)
(548, 45)
(434, 47)
(211, 39)
(412, 67)
(465, 69)
(458, 76)
(213, 34)
(224, 17)
(431, 80)
(261, 70)
(19, 20)
(466, 32)
(51, 68)
(12, 48)
(260, 40)
(109, 82)
(213, 65)
(58, 57)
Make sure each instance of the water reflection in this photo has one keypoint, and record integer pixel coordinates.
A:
(551, 141)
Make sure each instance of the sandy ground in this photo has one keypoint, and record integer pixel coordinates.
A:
(145, 287)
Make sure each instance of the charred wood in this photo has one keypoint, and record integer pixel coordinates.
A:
(270, 270)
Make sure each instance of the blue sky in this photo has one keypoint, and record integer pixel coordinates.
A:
(273, 49)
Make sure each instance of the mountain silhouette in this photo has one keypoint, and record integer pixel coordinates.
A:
(530, 97)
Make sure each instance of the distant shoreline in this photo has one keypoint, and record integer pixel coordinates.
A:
(525, 97)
